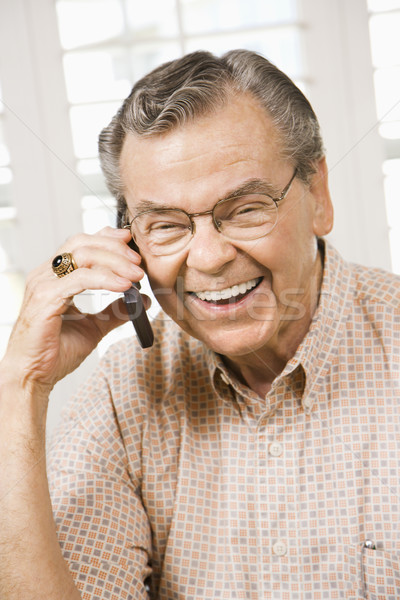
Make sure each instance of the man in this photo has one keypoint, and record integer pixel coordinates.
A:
(253, 451)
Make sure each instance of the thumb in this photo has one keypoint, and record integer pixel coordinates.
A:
(116, 314)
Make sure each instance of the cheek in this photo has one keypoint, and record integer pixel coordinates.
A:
(295, 231)
(163, 275)
(289, 254)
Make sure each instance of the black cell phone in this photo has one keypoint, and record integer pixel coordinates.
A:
(135, 307)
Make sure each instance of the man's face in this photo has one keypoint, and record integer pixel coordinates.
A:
(191, 168)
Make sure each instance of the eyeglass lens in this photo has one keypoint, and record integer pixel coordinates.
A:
(168, 231)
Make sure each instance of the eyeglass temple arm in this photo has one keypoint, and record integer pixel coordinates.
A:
(286, 189)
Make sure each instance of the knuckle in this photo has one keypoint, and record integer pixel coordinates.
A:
(30, 279)
(36, 273)
(74, 241)
(106, 230)
(39, 292)
(80, 239)
(33, 283)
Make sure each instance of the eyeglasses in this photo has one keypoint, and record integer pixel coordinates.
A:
(164, 231)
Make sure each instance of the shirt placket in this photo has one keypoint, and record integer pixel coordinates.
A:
(272, 484)
(277, 467)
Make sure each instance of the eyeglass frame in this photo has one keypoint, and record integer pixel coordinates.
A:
(190, 216)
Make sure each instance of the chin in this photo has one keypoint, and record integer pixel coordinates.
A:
(229, 334)
(235, 341)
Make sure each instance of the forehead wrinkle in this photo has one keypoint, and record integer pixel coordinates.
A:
(198, 161)
(197, 168)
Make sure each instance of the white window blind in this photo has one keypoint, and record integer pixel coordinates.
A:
(384, 25)
(11, 281)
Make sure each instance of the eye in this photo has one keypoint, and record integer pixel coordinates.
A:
(247, 209)
(244, 210)
(164, 226)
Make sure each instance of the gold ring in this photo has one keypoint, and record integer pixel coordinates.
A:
(63, 264)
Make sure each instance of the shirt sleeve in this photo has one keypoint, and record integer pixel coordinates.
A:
(102, 525)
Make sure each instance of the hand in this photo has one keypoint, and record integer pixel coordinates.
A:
(51, 336)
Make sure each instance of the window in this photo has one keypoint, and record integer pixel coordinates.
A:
(384, 25)
(11, 281)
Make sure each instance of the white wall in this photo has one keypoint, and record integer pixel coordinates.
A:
(341, 90)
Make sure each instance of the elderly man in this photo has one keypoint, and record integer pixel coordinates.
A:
(253, 451)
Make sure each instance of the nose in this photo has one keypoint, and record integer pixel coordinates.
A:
(209, 251)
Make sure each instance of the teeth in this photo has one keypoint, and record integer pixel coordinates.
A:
(227, 293)
(224, 294)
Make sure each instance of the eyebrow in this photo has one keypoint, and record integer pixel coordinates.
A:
(252, 186)
(145, 205)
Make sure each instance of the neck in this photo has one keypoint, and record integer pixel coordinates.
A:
(258, 369)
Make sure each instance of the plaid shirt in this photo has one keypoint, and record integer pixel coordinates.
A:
(172, 480)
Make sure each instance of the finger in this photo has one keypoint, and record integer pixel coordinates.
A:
(47, 294)
(115, 232)
(104, 262)
(146, 301)
(115, 314)
(112, 240)
(100, 278)
(93, 257)
(108, 240)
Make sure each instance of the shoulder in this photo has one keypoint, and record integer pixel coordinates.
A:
(174, 357)
(377, 287)
(129, 383)
(171, 344)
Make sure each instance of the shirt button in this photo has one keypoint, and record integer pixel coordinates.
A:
(279, 548)
(275, 449)
(307, 403)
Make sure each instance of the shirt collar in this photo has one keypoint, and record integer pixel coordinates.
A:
(315, 353)
(318, 348)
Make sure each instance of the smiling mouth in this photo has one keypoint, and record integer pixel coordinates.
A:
(228, 295)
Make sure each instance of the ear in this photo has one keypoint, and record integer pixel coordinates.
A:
(323, 209)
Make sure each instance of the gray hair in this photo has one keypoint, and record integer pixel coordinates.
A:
(200, 83)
